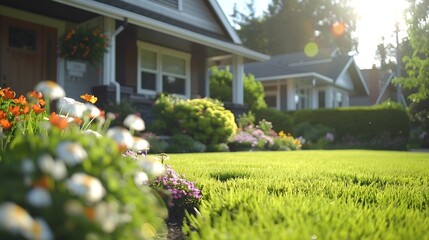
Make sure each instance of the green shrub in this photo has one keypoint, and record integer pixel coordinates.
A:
(281, 121)
(181, 143)
(221, 88)
(362, 126)
(205, 120)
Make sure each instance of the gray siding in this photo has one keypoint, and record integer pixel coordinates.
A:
(194, 12)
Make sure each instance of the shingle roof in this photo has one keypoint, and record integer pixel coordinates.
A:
(296, 63)
(327, 63)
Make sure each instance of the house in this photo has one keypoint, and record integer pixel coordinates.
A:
(381, 88)
(155, 46)
(296, 81)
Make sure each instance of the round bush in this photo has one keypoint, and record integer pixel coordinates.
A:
(206, 120)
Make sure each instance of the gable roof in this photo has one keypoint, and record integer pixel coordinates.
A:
(327, 65)
(145, 18)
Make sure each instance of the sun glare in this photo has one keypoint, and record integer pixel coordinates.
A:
(376, 21)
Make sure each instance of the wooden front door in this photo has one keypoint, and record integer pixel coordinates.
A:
(27, 54)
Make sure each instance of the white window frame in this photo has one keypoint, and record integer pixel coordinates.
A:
(299, 96)
(159, 51)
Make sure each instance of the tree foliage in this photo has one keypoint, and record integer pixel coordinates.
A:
(221, 88)
(417, 65)
(288, 25)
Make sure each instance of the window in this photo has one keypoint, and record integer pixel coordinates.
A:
(22, 38)
(321, 99)
(163, 70)
(338, 99)
(301, 99)
(271, 101)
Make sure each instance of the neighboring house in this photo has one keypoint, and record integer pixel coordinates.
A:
(381, 88)
(155, 46)
(296, 81)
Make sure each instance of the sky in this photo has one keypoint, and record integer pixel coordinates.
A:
(376, 21)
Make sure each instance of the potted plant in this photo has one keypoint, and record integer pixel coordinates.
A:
(84, 44)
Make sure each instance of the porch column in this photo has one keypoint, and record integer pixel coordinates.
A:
(314, 98)
(207, 78)
(109, 28)
(237, 80)
(291, 105)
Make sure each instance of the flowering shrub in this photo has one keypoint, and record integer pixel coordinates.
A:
(67, 182)
(286, 142)
(19, 115)
(262, 137)
(84, 44)
(181, 194)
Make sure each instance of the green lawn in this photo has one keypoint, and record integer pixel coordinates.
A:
(339, 194)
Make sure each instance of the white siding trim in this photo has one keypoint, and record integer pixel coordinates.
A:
(232, 33)
(299, 75)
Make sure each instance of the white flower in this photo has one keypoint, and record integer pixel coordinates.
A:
(45, 162)
(71, 153)
(153, 167)
(141, 178)
(15, 219)
(107, 216)
(40, 230)
(69, 106)
(140, 144)
(134, 122)
(27, 166)
(59, 170)
(121, 136)
(89, 131)
(83, 185)
(50, 90)
(39, 197)
(92, 110)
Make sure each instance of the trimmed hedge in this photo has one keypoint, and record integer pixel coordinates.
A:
(370, 127)
(282, 121)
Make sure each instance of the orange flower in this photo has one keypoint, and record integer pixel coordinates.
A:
(25, 109)
(7, 93)
(43, 182)
(3, 114)
(90, 213)
(42, 102)
(35, 94)
(21, 100)
(5, 123)
(89, 98)
(15, 110)
(78, 121)
(58, 121)
(37, 108)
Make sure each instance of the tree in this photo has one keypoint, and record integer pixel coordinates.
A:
(221, 88)
(288, 25)
(417, 65)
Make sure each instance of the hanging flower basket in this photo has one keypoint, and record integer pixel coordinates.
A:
(83, 43)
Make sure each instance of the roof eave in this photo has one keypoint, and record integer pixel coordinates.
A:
(139, 20)
(297, 75)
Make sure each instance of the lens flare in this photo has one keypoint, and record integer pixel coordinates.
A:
(311, 49)
(338, 29)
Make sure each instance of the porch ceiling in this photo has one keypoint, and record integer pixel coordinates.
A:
(51, 9)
